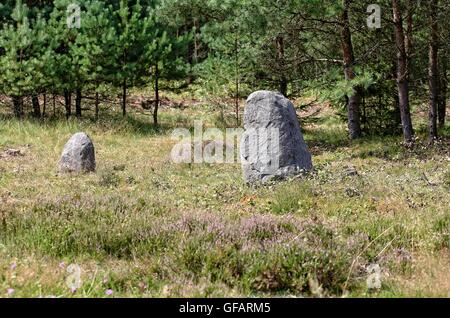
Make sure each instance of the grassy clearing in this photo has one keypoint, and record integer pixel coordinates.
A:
(143, 226)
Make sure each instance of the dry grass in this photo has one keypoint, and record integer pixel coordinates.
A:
(429, 276)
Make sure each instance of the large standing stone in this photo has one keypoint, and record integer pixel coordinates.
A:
(272, 145)
(78, 154)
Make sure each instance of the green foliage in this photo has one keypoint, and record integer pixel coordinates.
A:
(26, 56)
(116, 44)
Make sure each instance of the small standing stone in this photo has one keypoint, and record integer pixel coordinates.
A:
(272, 145)
(78, 154)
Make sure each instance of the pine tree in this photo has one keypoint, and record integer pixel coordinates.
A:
(25, 60)
(92, 54)
(65, 77)
(164, 53)
(129, 23)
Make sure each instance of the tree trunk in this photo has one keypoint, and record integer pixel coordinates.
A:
(155, 110)
(68, 103)
(409, 33)
(396, 113)
(124, 97)
(96, 105)
(353, 105)
(44, 107)
(36, 106)
(54, 105)
(442, 106)
(280, 56)
(237, 75)
(78, 98)
(236, 102)
(17, 106)
(195, 57)
(433, 71)
(402, 73)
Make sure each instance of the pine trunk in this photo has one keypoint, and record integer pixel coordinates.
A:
(409, 33)
(44, 107)
(17, 106)
(396, 113)
(78, 98)
(402, 73)
(236, 79)
(280, 55)
(155, 110)
(433, 72)
(54, 105)
(353, 104)
(68, 103)
(124, 98)
(96, 105)
(442, 106)
(36, 106)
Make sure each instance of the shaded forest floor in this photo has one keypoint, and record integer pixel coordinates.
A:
(144, 226)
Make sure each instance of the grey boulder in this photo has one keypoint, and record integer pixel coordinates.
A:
(78, 155)
(272, 146)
